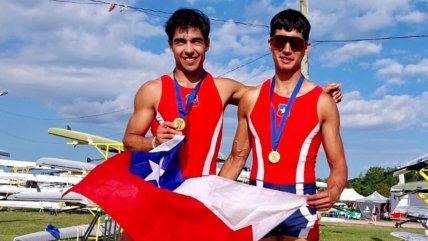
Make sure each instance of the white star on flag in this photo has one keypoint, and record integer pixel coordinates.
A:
(157, 171)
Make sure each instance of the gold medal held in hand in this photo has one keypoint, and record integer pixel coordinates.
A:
(179, 123)
(274, 157)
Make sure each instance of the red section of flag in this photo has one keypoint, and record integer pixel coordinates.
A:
(146, 212)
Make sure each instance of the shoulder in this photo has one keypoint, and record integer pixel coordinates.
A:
(326, 100)
(231, 91)
(149, 90)
(250, 97)
(252, 92)
(308, 86)
(327, 108)
(227, 83)
(150, 85)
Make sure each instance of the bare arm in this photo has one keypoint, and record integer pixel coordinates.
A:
(233, 165)
(231, 91)
(333, 146)
(145, 106)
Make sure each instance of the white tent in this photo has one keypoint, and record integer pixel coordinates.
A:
(375, 197)
(350, 195)
(365, 205)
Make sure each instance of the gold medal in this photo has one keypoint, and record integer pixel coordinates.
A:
(274, 157)
(179, 123)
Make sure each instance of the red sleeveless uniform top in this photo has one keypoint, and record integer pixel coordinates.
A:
(204, 124)
(298, 144)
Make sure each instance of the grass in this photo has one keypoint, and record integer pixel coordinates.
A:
(360, 232)
(16, 223)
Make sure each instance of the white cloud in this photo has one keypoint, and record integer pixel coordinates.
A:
(350, 52)
(389, 70)
(390, 112)
(413, 17)
(420, 68)
(372, 20)
(380, 92)
(356, 18)
(118, 110)
(264, 10)
(238, 39)
(393, 72)
(248, 74)
(77, 53)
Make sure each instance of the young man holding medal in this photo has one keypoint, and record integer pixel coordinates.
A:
(187, 101)
(284, 121)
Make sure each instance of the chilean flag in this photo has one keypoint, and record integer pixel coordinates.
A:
(146, 194)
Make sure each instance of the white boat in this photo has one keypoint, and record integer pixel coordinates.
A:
(72, 232)
(66, 165)
(20, 164)
(41, 205)
(108, 229)
(21, 178)
(50, 196)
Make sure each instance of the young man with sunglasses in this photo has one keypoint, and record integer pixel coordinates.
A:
(284, 121)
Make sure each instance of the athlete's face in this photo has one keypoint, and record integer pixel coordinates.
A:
(189, 47)
(288, 50)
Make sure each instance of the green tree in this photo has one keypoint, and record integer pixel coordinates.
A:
(375, 179)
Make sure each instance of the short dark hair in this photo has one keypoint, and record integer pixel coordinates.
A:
(289, 20)
(186, 18)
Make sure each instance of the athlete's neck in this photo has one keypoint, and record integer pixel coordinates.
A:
(285, 82)
(188, 78)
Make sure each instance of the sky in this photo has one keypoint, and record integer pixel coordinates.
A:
(75, 63)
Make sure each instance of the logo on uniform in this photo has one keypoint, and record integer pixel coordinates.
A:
(195, 101)
(281, 110)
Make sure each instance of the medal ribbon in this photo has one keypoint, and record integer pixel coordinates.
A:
(183, 112)
(276, 133)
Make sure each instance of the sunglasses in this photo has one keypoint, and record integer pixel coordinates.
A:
(279, 42)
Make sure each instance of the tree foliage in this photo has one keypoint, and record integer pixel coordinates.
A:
(375, 179)
(378, 179)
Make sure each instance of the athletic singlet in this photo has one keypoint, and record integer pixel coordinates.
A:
(203, 130)
(298, 144)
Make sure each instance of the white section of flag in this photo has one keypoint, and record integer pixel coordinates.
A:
(239, 205)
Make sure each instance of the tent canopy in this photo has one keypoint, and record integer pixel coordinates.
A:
(349, 194)
(375, 197)
(366, 205)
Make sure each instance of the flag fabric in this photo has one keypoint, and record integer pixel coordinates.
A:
(135, 190)
(160, 166)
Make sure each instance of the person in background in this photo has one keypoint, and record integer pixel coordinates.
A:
(375, 211)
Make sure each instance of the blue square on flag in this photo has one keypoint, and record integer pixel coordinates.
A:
(160, 166)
